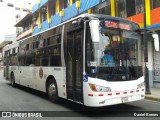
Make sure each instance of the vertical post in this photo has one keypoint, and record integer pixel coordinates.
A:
(89, 11)
(78, 6)
(113, 13)
(39, 19)
(71, 2)
(57, 6)
(39, 1)
(148, 12)
(146, 77)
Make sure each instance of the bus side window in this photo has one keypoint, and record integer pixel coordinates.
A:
(55, 60)
(28, 61)
(44, 61)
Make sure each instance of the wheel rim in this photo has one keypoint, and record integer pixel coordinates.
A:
(52, 90)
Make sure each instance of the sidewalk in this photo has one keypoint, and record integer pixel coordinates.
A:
(155, 94)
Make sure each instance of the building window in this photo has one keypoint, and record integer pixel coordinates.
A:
(74, 1)
(121, 8)
(44, 15)
(63, 4)
(139, 6)
(27, 47)
(52, 4)
(108, 8)
(95, 9)
(103, 8)
(155, 4)
(131, 7)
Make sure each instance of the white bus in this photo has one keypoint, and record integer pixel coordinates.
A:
(70, 61)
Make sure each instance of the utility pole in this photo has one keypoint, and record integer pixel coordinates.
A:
(145, 43)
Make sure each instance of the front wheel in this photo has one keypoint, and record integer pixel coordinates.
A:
(52, 91)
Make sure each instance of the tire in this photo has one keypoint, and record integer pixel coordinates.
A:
(12, 80)
(52, 91)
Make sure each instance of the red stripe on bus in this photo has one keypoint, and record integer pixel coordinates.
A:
(131, 91)
(109, 94)
(137, 90)
(100, 94)
(125, 93)
(142, 89)
(117, 93)
(90, 94)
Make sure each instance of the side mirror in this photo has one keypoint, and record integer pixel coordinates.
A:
(94, 24)
(156, 41)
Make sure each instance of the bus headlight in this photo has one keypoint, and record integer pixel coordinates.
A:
(140, 85)
(97, 88)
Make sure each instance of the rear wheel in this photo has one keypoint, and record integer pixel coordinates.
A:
(12, 80)
(52, 91)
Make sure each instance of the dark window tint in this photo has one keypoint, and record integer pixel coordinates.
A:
(55, 60)
(44, 61)
(121, 8)
(155, 3)
(130, 6)
(139, 6)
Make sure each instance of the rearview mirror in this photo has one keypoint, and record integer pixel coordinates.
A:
(94, 24)
(156, 41)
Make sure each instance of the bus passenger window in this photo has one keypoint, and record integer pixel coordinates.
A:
(28, 61)
(44, 62)
(55, 61)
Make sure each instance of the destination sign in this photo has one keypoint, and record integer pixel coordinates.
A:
(120, 25)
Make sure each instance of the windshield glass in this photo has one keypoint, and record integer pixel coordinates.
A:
(117, 55)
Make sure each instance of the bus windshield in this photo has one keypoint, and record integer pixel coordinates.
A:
(116, 57)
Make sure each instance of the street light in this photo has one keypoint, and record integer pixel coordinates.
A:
(145, 42)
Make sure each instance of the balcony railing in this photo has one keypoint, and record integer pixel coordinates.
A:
(26, 32)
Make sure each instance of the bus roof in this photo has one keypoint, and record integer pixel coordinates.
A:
(83, 16)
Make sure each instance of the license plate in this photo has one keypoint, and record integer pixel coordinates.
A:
(125, 99)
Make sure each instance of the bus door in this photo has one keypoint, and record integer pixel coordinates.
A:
(74, 65)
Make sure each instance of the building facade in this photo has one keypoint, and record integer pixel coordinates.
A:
(24, 26)
(49, 13)
(10, 11)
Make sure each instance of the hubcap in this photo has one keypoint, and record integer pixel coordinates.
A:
(52, 90)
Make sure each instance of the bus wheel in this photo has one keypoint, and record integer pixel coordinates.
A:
(52, 91)
(12, 81)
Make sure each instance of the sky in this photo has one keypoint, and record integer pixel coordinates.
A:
(8, 14)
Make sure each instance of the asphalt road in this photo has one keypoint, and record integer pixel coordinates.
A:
(24, 99)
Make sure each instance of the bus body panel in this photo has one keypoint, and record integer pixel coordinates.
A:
(121, 92)
(35, 77)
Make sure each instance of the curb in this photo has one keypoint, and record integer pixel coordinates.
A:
(151, 97)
